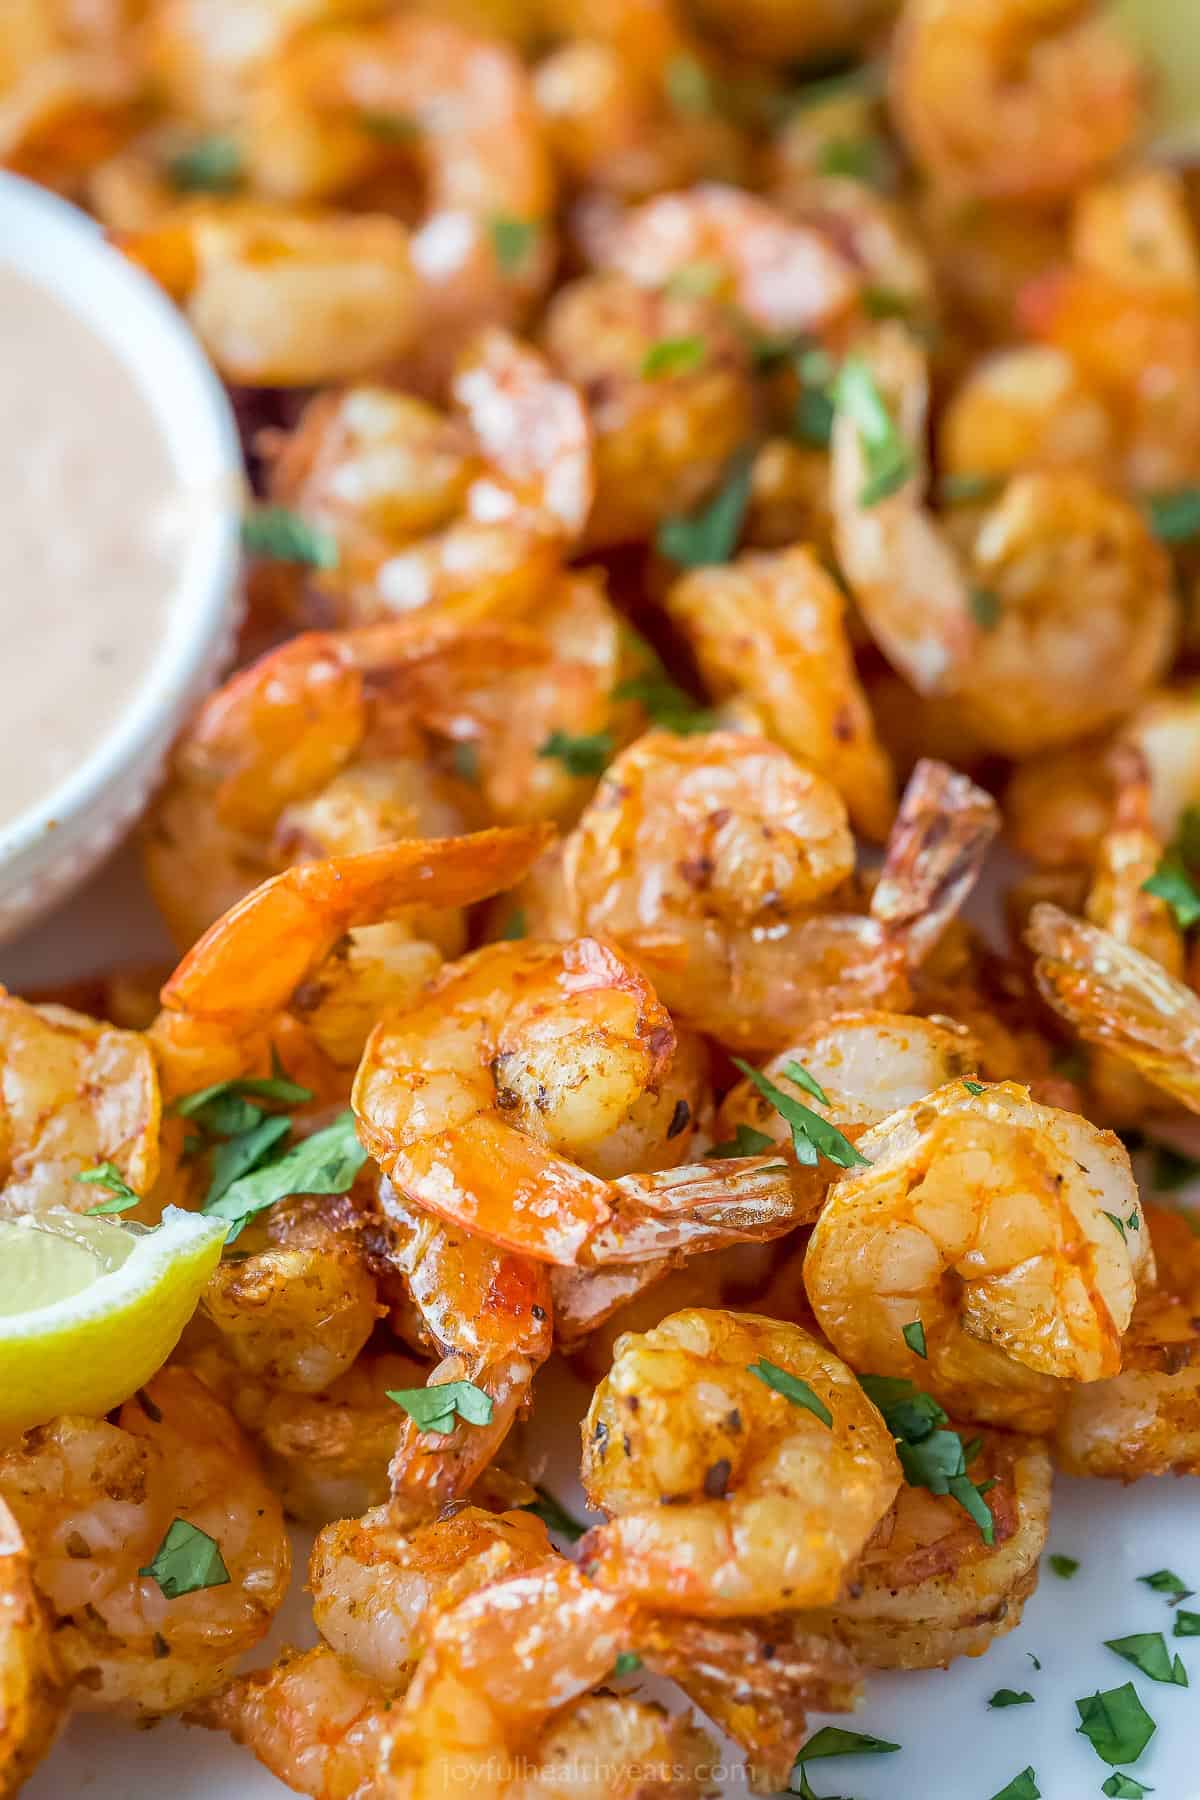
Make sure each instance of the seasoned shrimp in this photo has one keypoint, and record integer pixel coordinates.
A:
(1029, 407)
(786, 277)
(469, 510)
(771, 628)
(478, 1100)
(781, 30)
(722, 866)
(1146, 1420)
(226, 996)
(488, 1313)
(95, 1501)
(1013, 99)
(482, 249)
(1119, 999)
(31, 1700)
(75, 1094)
(373, 1586)
(927, 1588)
(69, 87)
(1012, 1231)
(729, 1498)
(662, 439)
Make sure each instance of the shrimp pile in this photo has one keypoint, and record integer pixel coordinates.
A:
(711, 471)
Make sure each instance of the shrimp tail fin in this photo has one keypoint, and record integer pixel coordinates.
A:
(935, 853)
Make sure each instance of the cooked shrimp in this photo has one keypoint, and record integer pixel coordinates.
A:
(373, 1587)
(1024, 408)
(1013, 99)
(1119, 999)
(95, 1501)
(488, 1314)
(662, 439)
(220, 1005)
(1146, 1420)
(721, 865)
(1012, 1231)
(69, 86)
(31, 1700)
(482, 248)
(729, 1498)
(477, 1100)
(771, 628)
(75, 1094)
(927, 1588)
(786, 277)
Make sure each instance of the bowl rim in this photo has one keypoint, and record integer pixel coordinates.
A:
(60, 248)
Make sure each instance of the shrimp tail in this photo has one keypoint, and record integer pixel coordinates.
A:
(696, 1206)
(935, 852)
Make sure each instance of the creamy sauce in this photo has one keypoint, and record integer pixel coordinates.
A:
(88, 498)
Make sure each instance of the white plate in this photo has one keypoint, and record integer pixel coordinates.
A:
(953, 1746)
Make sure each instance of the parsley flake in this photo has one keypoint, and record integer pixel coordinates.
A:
(186, 1560)
(791, 1387)
(1115, 1723)
(554, 1516)
(959, 490)
(277, 533)
(1187, 1624)
(862, 159)
(673, 356)
(986, 607)
(1147, 1651)
(1010, 1697)
(930, 1456)
(914, 1337)
(666, 703)
(1022, 1787)
(1124, 1787)
(1165, 1581)
(435, 1408)
(688, 85)
(628, 1662)
(889, 462)
(1175, 514)
(512, 240)
(107, 1175)
(515, 926)
(834, 1740)
(812, 1136)
(212, 166)
(744, 1142)
(974, 1087)
(711, 534)
(324, 1163)
(465, 760)
(586, 755)
(1063, 1566)
(812, 416)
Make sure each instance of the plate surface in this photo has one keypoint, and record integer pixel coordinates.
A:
(953, 1746)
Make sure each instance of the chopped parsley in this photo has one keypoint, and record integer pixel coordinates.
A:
(281, 535)
(324, 1163)
(1022, 1787)
(1116, 1724)
(107, 1175)
(465, 758)
(930, 1456)
(986, 607)
(812, 1136)
(186, 1560)
(1010, 1697)
(914, 1337)
(1172, 880)
(864, 159)
(1187, 1624)
(959, 490)
(974, 1087)
(585, 755)
(1132, 1223)
(435, 1408)
(666, 703)
(554, 1516)
(1063, 1566)
(791, 1387)
(1147, 1651)
(673, 356)
(834, 1740)
(744, 1142)
(812, 415)
(628, 1663)
(1123, 1787)
(513, 240)
(711, 534)
(688, 85)
(889, 462)
(515, 926)
(1174, 514)
(211, 166)
(1165, 1581)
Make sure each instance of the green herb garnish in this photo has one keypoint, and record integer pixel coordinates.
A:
(959, 490)
(186, 1560)
(1124, 1787)
(325, 1163)
(666, 703)
(974, 1087)
(889, 461)
(554, 1516)
(1022, 1787)
(673, 356)
(1063, 1566)
(107, 1175)
(812, 416)
(689, 86)
(812, 1136)
(834, 1740)
(930, 1456)
(586, 755)
(864, 159)
(791, 1387)
(1147, 1651)
(512, 240)
(711, 534)
(1116, 1724)
(515, 926)
(281, 535)
(628, 1662)
(744, 1142)
(1010, 1697)
(435, 1408)
(1187, 1624)
(986, 607)
(1165, 1581)
(1174, 514)
(212, 166)
(914, 1337)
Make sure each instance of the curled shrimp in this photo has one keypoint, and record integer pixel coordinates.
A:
(1146, 1420)
(222, 1002)
(469, 510)
(1012, 1231)
(95, 1500)
(482, 249)
(76, 1093)
(31, 1700)
(1119, 999)
(772, 628)
(727, 1498)
(927, 1588)
(69, 87)
(786, 277)
(1029, 407)
(723, 867)
(373, 1586)
(478, 1101)
(488, 1313)
(661, 440)
(1013, 99)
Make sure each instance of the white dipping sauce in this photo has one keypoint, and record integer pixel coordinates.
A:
(89, 541)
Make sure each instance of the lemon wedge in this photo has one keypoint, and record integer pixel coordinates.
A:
(89, 1309)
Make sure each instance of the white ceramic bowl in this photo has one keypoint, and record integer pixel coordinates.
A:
(53, 846)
